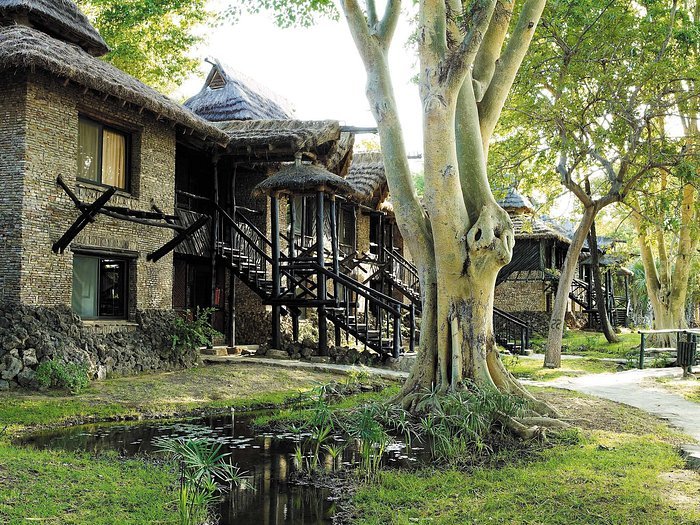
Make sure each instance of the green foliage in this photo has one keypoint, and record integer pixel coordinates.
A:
(203, 470)
(363, 425)
(458, 424)
(193, 333)
(68, 376)
(287, 13)
(150, 39)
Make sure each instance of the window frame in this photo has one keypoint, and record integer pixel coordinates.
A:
(128, 137)
(125, 264)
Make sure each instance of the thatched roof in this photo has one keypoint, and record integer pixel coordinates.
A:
(368, 179)
(299, 135)
(60, 18)
(302, 178)
(230, 95)
(527, 226)
(515, 201)
(25, 48)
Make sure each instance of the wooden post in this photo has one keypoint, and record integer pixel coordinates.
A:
(336, 261)
(291, 252)
(276, 278)
(320, 259)
(641, 352)
(215, 230)
(232, 284)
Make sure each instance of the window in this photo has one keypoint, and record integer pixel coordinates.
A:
(100, 287)
(102, 154)
(346, 227)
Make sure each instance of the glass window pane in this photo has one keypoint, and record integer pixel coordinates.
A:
(88, 150)
(85, 270)
(114, 159)
(112, 288)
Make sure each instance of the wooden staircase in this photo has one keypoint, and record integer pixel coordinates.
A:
(355, 310)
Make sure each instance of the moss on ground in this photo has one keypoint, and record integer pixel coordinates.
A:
(688, 388)
(160, 395)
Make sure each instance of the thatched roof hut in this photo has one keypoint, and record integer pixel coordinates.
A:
(525, 224)
(59, 18)
(230, 95)
(368, 179)
(302, 178)
(25, 48)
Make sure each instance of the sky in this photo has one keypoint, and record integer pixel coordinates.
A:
(317, 69)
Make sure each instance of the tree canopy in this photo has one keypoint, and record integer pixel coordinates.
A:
(150, 39)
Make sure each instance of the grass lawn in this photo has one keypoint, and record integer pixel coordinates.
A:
(623, 470)
(160, 394)
(528, 368)
(593, 344)
(688, 388)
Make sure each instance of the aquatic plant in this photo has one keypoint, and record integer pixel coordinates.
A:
(204, 470)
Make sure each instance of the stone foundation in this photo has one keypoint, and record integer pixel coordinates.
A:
(32, 335)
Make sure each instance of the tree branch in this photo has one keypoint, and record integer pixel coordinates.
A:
(491, 105)
(387, 26)
(490, 49)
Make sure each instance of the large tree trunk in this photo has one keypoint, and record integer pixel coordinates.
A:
(463, 240)
(552, 357)
(601, 298)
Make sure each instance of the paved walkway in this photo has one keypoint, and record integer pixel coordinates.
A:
(628, 387)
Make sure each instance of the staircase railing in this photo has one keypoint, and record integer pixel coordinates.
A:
(510, 332)
(370, 316)
(246, 247)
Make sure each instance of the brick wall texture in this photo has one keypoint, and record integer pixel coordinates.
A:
(49, 117)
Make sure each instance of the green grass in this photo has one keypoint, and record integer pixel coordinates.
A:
(68, 488)
(291, 416)
(160, 395)
(688, 388)
(527, 368)
(610, 479)
(593, 344)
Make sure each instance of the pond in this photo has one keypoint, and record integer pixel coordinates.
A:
(268, 459)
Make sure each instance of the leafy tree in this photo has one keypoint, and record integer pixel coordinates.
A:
(469, 54)
(667, 209)
(595, 86)
(150, 39)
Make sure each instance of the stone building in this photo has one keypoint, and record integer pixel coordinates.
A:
(87, 169)
(525, 288)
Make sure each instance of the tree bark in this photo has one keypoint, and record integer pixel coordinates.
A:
(600, 297)
(552, 358)
(464, 239)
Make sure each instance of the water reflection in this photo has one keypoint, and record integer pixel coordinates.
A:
(268, 458)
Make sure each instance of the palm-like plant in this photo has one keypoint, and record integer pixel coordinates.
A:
(203, 470)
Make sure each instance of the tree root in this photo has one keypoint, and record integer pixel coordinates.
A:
(547, 422)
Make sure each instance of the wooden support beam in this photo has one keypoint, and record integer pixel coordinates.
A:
(178, 239)
(87, 216)
(276, 276)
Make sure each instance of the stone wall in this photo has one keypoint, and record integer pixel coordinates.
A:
(39, 119)
(521, 296)
(31, 335)
(12, 165)
(52, 113)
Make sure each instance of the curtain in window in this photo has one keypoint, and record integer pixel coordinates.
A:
(88, 150)
(114, 159)
(85, 271)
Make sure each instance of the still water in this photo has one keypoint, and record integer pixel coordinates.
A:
(266, 457)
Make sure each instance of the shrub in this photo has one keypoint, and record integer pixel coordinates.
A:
(192, 333)
(68, 376)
